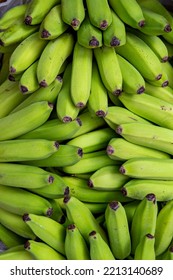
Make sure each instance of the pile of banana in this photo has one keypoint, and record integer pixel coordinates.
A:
(86, 131)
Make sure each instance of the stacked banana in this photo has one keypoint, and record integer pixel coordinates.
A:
(86, 109)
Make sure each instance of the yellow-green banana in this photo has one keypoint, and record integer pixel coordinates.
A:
(16, 253)
(28, 82)
(165, 93)
(167, 255)
(75, 244)
(145, 249)
(118, 230)
(73, 13)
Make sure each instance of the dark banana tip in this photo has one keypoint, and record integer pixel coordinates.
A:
(122, 170)
(59, 78)
(93, 42)
(66, 191)
(117, 92)
(62, 219)
(66, 199)
(71, 227)
(151, 197)
(75, 23)
(90, 183)
(79, 121)
(56, 144)
(80, 152)
(11, 78)
(92, 233)
(28, 20)
(45, 34)
(27, 245)
(104, 24)
(168, 28)
(50, 179)
(12, 70)
(171, 249)
(101, 114)
(165, 83)
(141, 90)
(115, 42)
(119, 130)
(49, 212)
(114, 205)
(149, 236)
(158, 77)
(109, 150)
(80, 105)
(165, 58)
(23, 89)
(43, 83)
(67, 119)
(50, 104)
(124, 191)
(26, 217)
(141, 23)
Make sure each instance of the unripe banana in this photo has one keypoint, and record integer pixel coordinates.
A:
(48, 230)
(73, 13)
(75, 244)
(167, 68)
(99, 249)
(145, 249)
(164, 93)
(9, 238)
(167, 255)
(17, 253)
(42, 251)
(118, 230)
(28, 82)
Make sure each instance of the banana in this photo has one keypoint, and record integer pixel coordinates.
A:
(36, 11)
(152, 136)
(99, 249)
(73, 13)
(164, 228)
(169, 48)
(130, 12)
(9, 238)
(48, 94)
(144, 220)
(41, 251)
(164, 93)
(118, 115)
(25, 120)
(93, 141)
(109, 69)
(107, 178)
(145, 249)
(167, 68)
(28, 82)
(16, 253)
(88, 35)
(65, 155)
(15, 77)
(164, 81)
(115, 34)
(79, 214)
(139, 54)
(27, 52)
(65, 108)
(118, 230)
(78, 188)
(119, 148)
(139, 188)
(130, 209)
(98, 98)
(133, 81)
(19, 201)
(27, 149)
(167, 255)
(54, 130)
(81, 71)
(149, 107)
(52, 58)
(52, 25)
(48, 230)
(15, 223)
(16, 33)
(12, 15)
(75, 244)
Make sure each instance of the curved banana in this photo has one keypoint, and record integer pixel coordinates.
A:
(17, 253)
(28, 82)
(145, 250)
(73, 13)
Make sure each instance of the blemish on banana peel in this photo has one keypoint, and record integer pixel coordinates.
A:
(165, 108)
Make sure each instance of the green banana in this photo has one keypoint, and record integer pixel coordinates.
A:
(139, 54)
(144, 220)
(93, 141)
(149, 107)
(10, 238)
(167, 255)
(119, 148)
(27, 52)
(48, 94)
(102, 16)
(164, 81)
(133, 81)
(75, 244)
(19, 201)
(25, 120)
(52, 25)
(164, 93)
(107, 178)
(81, 71)
(118, 230)
(37, 10)
(88, 35)
(115, 34)
(65, 108)
(130, 12)
(98, 98)
(52, 58)
(28, 82)
(17, 253)
(164, 232)
(118, 115)
(16, 33)
(15, 77)
(139, 188)
(54, 130)
(15, 223)
(99, 249)
(147, 135)
(109, 69)
(145, 249)
(42, 251)
(79, 214)
(48, 230)
(169, 48)
(12, 15)
(167, 68)
(73, 13)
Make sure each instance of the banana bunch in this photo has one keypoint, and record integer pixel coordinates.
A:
(86, 108)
